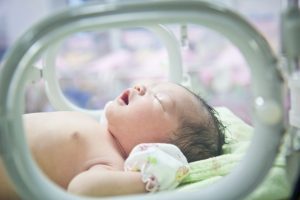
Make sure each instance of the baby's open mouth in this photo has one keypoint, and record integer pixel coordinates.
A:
(125, 97)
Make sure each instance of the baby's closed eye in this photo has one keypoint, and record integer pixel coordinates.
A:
(159, 99)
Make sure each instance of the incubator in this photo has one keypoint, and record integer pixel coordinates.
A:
(269, 74)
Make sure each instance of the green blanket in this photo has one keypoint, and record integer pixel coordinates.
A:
(238, 135)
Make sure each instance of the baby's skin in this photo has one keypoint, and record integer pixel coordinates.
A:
(64, 144)
(86, 157)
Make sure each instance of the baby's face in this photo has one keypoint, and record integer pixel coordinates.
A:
(148, 113)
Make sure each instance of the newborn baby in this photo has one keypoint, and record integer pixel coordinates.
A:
(86, 157)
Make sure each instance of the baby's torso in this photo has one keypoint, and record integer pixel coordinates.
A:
(67, 143)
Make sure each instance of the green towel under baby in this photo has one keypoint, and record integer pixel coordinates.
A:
(238, 136)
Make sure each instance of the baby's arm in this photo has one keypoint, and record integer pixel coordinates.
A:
(102, 180)
(149, 167)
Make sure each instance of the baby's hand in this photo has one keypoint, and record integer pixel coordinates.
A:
(163, 166)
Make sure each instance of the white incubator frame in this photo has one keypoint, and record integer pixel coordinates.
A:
(267, 87)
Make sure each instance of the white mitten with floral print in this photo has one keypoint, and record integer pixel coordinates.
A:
(163, 166)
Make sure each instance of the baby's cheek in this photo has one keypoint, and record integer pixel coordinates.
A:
(142, 114)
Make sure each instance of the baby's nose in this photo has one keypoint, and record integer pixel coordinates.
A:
(141, 89)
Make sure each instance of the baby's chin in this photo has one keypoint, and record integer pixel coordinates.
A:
(103, 119)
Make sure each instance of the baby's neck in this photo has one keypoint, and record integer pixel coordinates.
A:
(117, 144)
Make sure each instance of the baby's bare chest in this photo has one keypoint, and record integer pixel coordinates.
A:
(62, 151)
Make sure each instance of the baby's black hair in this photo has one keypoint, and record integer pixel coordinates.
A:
(200, 138)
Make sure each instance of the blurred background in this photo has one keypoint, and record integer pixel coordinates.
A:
(94, 67)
